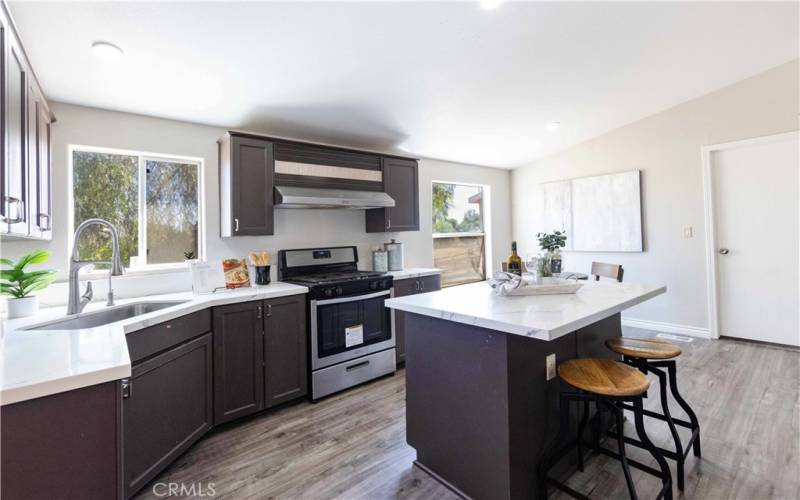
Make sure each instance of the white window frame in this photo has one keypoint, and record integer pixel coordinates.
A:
(143, 158)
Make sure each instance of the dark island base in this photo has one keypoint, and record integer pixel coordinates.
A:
(480, 411)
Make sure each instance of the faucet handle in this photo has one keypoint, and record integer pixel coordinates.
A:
(88, 294)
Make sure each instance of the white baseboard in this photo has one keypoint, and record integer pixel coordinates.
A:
(659, 326)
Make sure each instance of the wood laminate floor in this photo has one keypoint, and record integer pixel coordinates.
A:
(352, 446)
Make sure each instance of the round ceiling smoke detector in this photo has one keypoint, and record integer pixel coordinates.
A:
(552, 126)
(106, 51)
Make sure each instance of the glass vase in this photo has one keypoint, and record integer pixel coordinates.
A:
(544, 263)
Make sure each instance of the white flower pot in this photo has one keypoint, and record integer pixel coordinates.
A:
(22, 308)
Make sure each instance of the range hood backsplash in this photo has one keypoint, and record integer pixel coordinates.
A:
(308, 197)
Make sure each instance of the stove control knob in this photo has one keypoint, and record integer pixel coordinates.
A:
(329, 292)
(339, 290)
(373, 285)
(383, 283)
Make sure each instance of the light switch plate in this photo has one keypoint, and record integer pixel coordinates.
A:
(551, 366)
(688, 232)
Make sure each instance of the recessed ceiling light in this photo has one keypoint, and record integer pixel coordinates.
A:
(553, 126)
(106, 51)
(490, 4)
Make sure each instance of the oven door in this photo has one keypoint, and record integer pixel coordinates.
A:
(349, 327)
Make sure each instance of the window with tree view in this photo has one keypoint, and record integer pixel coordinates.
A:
(459, 239)
(153, 202)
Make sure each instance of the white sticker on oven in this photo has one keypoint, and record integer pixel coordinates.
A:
(353, 335)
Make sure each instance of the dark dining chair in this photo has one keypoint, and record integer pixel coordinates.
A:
(613, 271)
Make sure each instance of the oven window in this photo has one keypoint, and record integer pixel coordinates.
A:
(333, 320)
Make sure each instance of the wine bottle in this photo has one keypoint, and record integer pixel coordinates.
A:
(514, 260)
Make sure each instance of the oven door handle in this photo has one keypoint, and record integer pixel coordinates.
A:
(354, 298)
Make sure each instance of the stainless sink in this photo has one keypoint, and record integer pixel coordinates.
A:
(106, 316)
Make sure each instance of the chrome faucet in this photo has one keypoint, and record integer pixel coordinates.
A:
(77, 301)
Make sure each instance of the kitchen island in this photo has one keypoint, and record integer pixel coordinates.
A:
(481, 402)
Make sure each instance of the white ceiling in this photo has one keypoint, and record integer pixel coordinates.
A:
(439, 80)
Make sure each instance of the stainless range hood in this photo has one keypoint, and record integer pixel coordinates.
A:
(304, 197)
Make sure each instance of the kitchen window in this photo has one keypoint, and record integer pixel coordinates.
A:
(152, 200)
(459, 237)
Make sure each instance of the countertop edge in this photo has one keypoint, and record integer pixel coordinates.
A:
(414, 273)
(35, 390)
(49, 386)
(522, 330)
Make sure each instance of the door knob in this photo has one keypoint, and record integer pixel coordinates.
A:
(723, 251)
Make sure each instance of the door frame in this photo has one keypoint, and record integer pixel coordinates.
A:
(706, 153)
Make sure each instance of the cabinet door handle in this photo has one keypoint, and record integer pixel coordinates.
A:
(388, 223)
(422, 285)
(416, 285)
(18, 203)
(235, 225)
(46, 227)
(127, 388)
(269, 310)
(260, 312)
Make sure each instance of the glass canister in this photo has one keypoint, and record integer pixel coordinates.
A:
(380, 260)
(395, 250)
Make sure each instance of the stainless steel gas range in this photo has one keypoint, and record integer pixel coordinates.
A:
(350, 329)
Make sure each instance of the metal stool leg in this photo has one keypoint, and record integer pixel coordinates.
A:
(581, 427)
(622, 458)
(666, 477)
(662, 381)
(673, 386)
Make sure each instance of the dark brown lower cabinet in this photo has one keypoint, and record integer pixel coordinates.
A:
(402, 288)
(285, 365)
(238, 360)
(62, 446)
(166, 407)
(260, 356)
(109, 440)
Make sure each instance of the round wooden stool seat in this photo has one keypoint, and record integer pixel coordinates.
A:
(643, 348)
(603, 376)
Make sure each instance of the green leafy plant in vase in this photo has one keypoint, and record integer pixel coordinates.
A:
(19, 284)
(551, 244)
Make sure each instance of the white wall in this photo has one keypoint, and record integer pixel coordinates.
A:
(77, 125)
(666, 147)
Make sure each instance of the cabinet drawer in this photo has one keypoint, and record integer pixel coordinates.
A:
(152, 340)
(430, 283)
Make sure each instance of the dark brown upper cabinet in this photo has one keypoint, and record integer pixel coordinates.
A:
(246, 182)
(39, 169)
(25, 176)
(401, 182)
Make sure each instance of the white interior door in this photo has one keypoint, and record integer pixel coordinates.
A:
(756, 231)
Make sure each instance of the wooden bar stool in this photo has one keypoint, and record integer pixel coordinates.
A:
(608, 384)
(651, 356)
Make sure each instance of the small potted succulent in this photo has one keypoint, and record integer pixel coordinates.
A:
(20, 284)
(552, 243)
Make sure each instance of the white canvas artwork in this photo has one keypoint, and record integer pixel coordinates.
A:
(602, 213)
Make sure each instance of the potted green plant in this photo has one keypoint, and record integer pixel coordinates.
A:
(20, 284)
(551, 244)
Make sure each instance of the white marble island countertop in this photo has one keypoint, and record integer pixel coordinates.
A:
(36, 363)
(544, 317)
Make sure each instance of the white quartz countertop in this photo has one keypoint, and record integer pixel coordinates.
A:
(42, 362)
(544, 317)
(414, 272)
